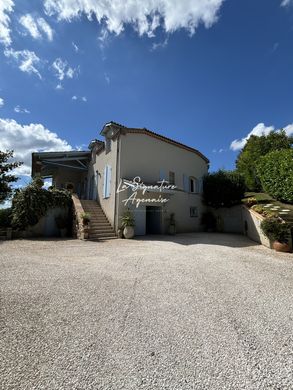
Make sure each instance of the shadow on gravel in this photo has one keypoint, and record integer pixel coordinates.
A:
(231, 240)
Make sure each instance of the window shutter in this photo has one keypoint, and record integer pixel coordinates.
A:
(200, 189)
(162, 175)
(105, 182)
(109, 173)
(185, 183)
(196, 186)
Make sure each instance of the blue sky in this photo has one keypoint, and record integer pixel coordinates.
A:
(204, 72)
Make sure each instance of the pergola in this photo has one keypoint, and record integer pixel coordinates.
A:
(45, 164)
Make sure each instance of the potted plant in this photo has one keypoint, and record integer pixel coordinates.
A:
(86, 217)
(127, 223)
(278, 232)
(172, 225)
(61, 223)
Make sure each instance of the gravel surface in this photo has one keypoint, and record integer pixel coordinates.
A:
(202, 311)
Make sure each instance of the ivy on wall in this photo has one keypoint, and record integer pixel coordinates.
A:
(31, 203)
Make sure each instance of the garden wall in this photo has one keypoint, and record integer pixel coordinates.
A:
(229, 220)
(251, 227)
(46, 227)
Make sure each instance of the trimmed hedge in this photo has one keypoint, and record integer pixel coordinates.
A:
(276, 174)
(223, 189)
(32, 202)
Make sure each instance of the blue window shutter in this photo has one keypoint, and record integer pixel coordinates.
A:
(200, 190)
(108, 187)
(105, 182)
(185, 183)
(162, 174)
(196, 186)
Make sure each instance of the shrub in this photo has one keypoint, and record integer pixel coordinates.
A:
(32, 202)
(254, 149)
(249, 202)
(5, 218)
(276, 174)
(223, 189)
(86, 217)
(275, 229)
(264, 211)
(127, 219)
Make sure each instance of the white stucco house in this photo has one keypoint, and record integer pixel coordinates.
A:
(136, 169)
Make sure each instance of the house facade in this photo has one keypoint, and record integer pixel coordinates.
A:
(133, 169)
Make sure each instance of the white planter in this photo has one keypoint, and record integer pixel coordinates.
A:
(128, 232)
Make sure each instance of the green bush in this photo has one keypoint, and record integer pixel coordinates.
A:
(5, 218)
(276, 174)
(249, 202)
(32, 202)
(254, 149)
(223, 189)
(275, 229)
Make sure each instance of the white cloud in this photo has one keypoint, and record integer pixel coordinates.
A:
(1, 102)
(36, 27)
(45, 27)
(171, 15)
(21, 110)
(258, 130)
(6, 7)
(286, 3)
(75, 47)
(27, 60)
(289, 129)
(63, 70)
(159, 45)
(28, 22)
(59, 86)
(81, 98)
(107, 78)
(47, 183)
(25, 139)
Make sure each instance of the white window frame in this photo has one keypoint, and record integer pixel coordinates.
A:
(195, 182)
(193, 212)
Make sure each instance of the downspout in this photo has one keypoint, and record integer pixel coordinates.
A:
(116, 221)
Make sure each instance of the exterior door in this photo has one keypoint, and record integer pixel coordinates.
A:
(153, 220)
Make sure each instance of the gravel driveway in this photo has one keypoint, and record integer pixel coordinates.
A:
(204, 311)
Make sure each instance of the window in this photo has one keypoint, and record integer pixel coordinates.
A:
(171, 178)
(107, 181)
(108, 144)
(193, 212)
(193, 185)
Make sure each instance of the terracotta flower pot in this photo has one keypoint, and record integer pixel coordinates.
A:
(281, 247)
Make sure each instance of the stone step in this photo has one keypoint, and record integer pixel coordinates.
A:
(102, 237)
(103, 233)
(100, 225)
(99, 220)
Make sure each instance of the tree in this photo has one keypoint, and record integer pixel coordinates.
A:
(6, 178)
(223, 189)
(275, 171)
(255, 148)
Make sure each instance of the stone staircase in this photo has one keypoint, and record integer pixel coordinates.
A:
(100, 227)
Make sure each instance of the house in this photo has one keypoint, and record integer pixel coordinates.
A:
(136, 169)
